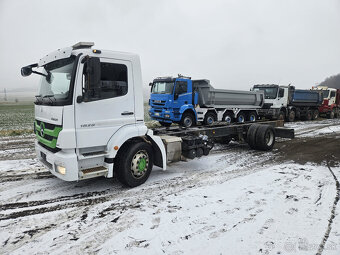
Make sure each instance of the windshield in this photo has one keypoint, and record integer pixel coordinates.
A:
(162, 87)
(56, 84)
(269, 92)
(325, 93)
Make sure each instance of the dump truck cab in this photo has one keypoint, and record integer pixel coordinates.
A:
(276, 98)
(331, 101)
(170, 98)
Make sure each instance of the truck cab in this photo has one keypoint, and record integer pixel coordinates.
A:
(276, 98)
(173, 100)
(88, 117)
(331, 101)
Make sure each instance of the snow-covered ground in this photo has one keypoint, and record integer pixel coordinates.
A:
(234, 201)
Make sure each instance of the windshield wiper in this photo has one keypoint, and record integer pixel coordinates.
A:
(50, 98)
(38, 101)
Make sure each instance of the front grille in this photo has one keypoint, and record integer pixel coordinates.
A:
(47, 125)
(47, 134)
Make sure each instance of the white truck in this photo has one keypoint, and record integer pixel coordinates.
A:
(287, 102)
(89, 120)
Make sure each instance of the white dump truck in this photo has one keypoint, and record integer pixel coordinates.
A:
(89, 120)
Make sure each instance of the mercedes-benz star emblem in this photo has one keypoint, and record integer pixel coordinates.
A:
(42, 130)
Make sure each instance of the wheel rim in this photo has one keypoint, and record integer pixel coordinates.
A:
(139, 164)
(227, 119)
(187, 121)
(269, 138)
(240, 118)
(210, 120)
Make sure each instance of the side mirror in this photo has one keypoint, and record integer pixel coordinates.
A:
(80, 99)
(150, 84)
(93, 72)
(26, 71)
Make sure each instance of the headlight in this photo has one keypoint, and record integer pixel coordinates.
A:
(167, 116)
(61, 170)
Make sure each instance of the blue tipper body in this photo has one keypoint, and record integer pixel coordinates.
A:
(169, 102)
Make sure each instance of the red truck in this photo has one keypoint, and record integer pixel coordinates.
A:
(331, 102)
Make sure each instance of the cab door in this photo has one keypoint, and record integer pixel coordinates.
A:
(109, 108)
(181, 94)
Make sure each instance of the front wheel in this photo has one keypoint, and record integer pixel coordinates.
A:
(134, 163)
(188, 120)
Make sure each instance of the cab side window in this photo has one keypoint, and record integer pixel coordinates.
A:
(113, 82)
(333, 94)
(181, 87)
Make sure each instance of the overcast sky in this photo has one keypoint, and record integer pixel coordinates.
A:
(234, 43)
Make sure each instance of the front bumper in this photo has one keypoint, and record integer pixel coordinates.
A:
(268, 112)
(163, 115)
(65, 158)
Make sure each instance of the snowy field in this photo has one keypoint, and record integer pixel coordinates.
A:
(234, 201)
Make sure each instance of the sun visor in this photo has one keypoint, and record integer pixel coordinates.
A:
(56, 55)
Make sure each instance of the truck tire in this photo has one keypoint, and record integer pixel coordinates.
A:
(165, 124)
(331, 114)
(309, 115)
(251, 136)
(291, 116)
(228, 117)
(241, 117)
(188, 119)
(209, 118)
(199, 152)
(252, 116)
(133, 163)
(265, 138)
(281, 115)
(315, 114)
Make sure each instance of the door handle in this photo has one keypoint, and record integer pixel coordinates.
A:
(127, 113)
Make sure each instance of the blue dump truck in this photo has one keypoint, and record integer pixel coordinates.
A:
(289, 103)
(188, 102)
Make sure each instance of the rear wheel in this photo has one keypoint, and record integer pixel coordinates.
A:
(228, 117)
(315, 114)
(209, 118)
(251, 135)
(241, 117)
(265, 137)
(188, 119)
(252, 116)
(165, 124)
(291, 116)
(134, 163)
(281, 115)
(309, 115)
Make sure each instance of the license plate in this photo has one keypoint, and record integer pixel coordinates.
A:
(156, 113)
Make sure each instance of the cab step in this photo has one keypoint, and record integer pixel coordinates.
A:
(93, 172)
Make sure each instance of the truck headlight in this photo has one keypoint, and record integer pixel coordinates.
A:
(61, 170)
(167, 116)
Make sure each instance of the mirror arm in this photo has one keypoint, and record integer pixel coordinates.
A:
(40, 73)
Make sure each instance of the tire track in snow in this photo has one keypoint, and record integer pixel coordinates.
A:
(330, 221)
